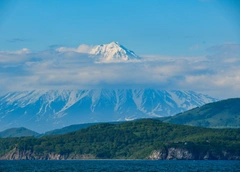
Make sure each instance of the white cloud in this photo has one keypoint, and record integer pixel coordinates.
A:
(80, 49)
(22, 51)
(224, 51)
(218, 77)
(14, 57)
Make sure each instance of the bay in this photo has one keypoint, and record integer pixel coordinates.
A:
(119, 165)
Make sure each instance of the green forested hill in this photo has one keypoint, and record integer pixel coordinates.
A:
(221, 114)
(68, 129)
(72, 128)
(17, 132)
(128, 140)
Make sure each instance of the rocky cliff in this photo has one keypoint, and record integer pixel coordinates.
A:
(163, 154)
(15, 154)
(184, 154)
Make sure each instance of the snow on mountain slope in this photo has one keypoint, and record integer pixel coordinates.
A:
(113, 52)
(43, 110)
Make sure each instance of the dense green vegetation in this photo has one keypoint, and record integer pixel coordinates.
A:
(221, 114)
(17, 132)
(72, 128)
(135, 139)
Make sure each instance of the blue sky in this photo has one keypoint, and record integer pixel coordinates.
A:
(188, 44)
(167, 27)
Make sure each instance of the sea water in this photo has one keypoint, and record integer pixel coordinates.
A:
(119, 165)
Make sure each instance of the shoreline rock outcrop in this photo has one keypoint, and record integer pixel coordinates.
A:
(15, 154)
(170, 153)
(184, 154)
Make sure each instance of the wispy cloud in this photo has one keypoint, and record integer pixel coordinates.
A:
(17, 40)
(195, 47)
(54, 46)
(83, 48)
(22, 51)
(220, 77)
(13, 57)
(229, 48)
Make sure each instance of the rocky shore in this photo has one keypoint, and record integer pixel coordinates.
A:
(184, 154)
(15, 154)
(163, 154)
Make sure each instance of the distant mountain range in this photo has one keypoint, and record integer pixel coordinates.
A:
(44, 110)
(221, 114)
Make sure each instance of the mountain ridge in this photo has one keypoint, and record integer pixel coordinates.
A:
(231, 105)
(44, 110)
(17, 132)
(220, 114)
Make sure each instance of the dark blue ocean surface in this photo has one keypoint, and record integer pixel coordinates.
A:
(120, 165)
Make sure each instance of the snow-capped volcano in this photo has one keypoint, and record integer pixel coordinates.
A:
(113, 52)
